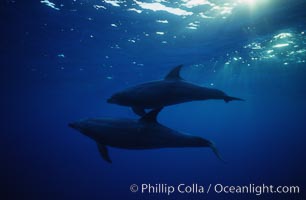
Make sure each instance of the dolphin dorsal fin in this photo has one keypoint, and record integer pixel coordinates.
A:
(174, 74)
(151, 116)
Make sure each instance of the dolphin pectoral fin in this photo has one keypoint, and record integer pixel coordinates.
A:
(174, 74)
(104, 153)
(228, 99)
(216, 152)
(139, 111)
(151, 116)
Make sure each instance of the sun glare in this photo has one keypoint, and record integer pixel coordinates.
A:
(250, 2)
(253, 3)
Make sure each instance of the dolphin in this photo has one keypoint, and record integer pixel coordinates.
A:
(169, 91)
(145, 133)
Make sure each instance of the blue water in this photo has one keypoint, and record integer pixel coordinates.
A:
(61, 61)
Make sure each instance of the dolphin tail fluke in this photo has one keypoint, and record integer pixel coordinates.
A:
(229, 98)
(104, 153)
(216, 151)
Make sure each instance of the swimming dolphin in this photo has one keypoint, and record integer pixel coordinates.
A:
(172, 90)
(145, 133)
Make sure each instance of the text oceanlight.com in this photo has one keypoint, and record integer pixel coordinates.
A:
(147, 188)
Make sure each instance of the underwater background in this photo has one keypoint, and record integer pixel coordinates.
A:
(61, 59)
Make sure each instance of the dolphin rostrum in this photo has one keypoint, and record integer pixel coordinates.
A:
(145, 133)
(172, 90)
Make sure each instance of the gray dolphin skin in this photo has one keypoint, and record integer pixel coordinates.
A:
(145, 133)
(172, 90)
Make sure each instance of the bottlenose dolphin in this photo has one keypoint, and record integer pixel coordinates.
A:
(145, 133)
(172, 90)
